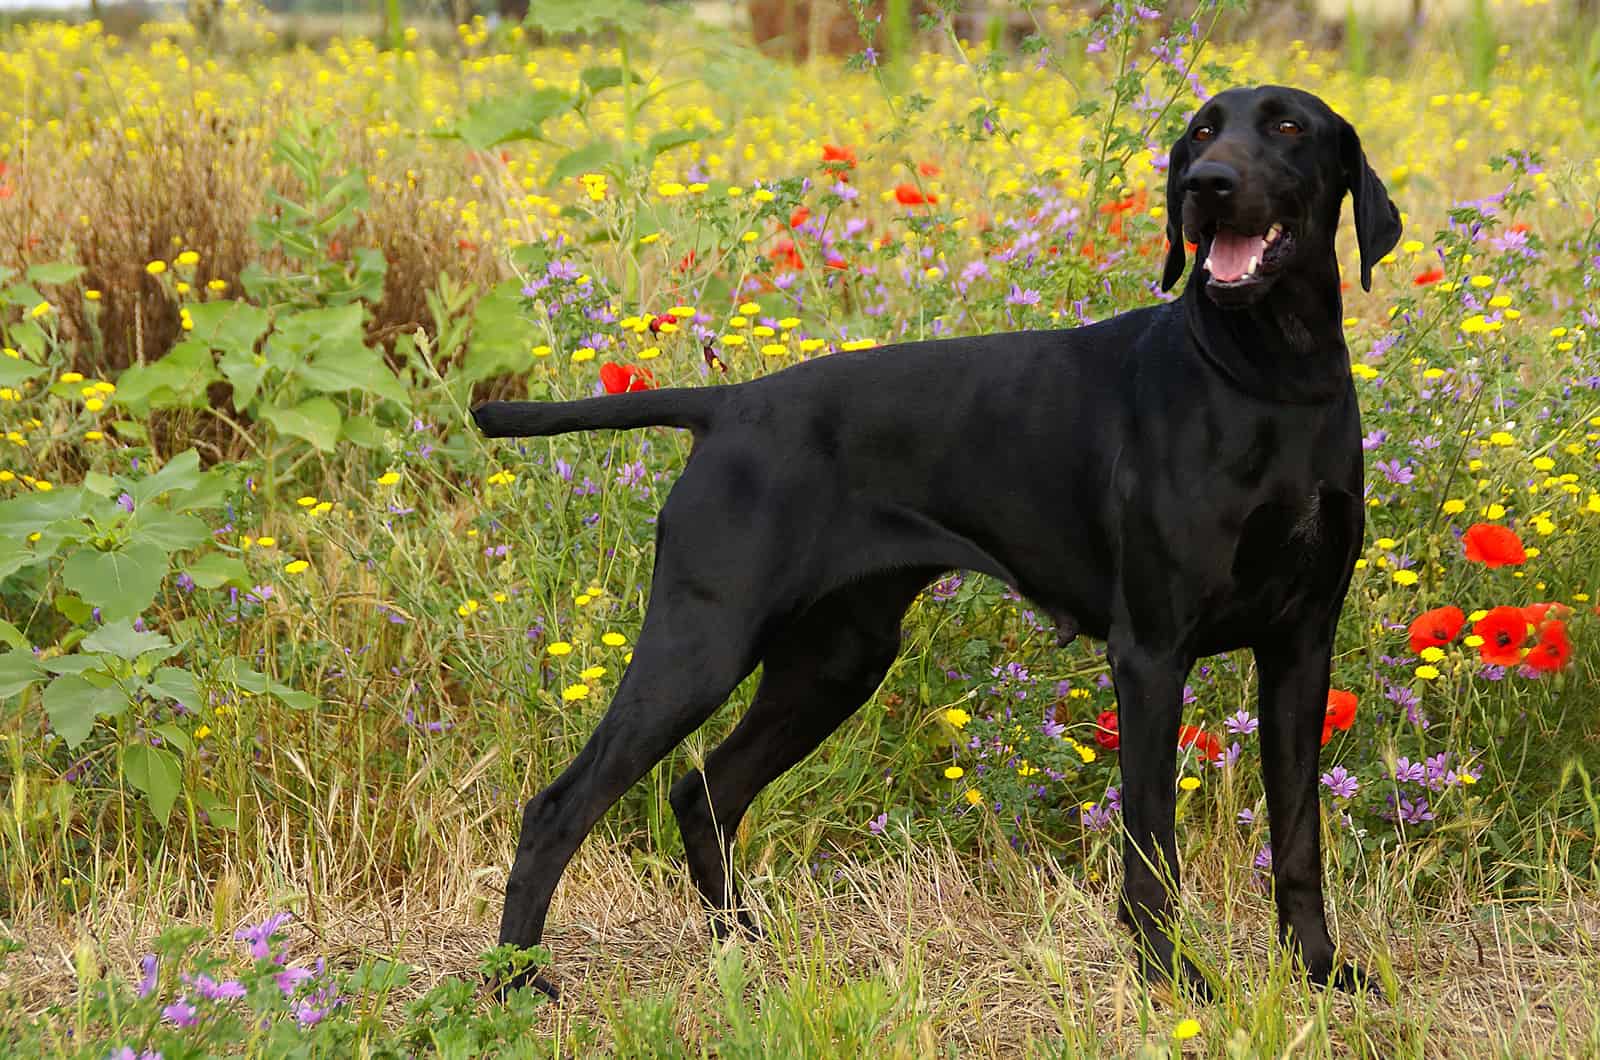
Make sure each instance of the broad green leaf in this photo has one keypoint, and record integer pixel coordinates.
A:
(178, 380)
(14, 371)
(176, 737)
(666, 141)
(11, 635)
(229, 325)
(174, 683)
(169, 531)
(21, 295)
(210, 492)
(121, 583)
(316, 420)
(72, 606)
(123, 641)
(365, 432)
(499, 343)
(32, 512)
(490, 122)
(155, 773)
(332, 330)
(55, 272)
(596, 154)
(180, 473)
(18, 670)
(72, 703)
(600, 78)
(245, 371)
(563, 18)
(364, 371)
(215, 569)
(235, 672)
(76, 663)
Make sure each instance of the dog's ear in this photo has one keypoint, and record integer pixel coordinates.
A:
(1377, 218)
(1177, 165)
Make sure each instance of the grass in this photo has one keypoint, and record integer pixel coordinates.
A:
(295, 269)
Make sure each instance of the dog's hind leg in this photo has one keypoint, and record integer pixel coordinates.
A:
(693, 649)
(819, 670)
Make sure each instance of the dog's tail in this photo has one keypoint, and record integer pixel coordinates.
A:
(690, 407)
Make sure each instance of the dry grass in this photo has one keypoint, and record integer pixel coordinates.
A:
(994, 963)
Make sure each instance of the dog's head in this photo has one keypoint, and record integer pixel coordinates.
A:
(1257, 180)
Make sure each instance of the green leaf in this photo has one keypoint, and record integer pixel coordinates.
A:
(155, 773)
(236, 672)
(228, 325)
(596, 154)
(364, 372)
(73, 607)
(178, 380)
(180, 473)
(121, 583)
(21, 295)
(365, 432)
(18, 670)
(174, 683)
(123, 641)
(316, 420)
(563, 18)
(666, 141)
(32, 512)
(216, 569)
(499, 343)
(14, 371)
(176, 737)
(169, 531)
(11, 635)
(72, 703)
(76, 663)
(55, 272)
(600, 78)
(334, 331)
(245, 371)
(491, 122)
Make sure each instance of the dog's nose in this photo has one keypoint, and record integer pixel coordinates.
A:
(1211, 182)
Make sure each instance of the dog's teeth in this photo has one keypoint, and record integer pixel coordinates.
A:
(1250, 270)
(1274, 232)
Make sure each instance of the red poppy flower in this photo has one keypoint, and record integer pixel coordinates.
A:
(1436, 628)
(1341, 712)
(1423, 279)
(800, 216)
(1520, 226)
(1202, 741)
(1503, 631)
(1536, 614)
(1106, 733)
(843, 157)
(657, 321)
(928, 169)
(623, 378)
(836, 262)
(786, 256)
(1494, 545)
(910, 195)
(1553, 651)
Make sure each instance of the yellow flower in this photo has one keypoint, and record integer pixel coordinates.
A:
(1086, 753)
(1427, 672)
(1432, 653)
(467, 608)
(573, 693)
(593, 673)
(1454, 507)
(188, 257)
(1405, 577)
(582, 353)
(954, 772)
(39, 310)
(1189, 783)
(973, 796)
(1186, 1029)
(92, 295)
(156, 268)
(957, 717)
(388, 478)
(501, 478)
(295, 566)
(42, 486)
(266, 541)
(541, 351)
(72, 377)
(613, 640)
(559, 647)
(202, 732)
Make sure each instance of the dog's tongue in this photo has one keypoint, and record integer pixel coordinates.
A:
(1231, 253)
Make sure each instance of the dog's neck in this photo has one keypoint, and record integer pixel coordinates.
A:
(1288, 347)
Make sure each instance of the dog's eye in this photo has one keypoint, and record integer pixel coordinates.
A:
(1202, 133)
(1289, 128)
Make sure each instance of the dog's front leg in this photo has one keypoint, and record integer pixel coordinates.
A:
(1149, 684)
(1294, 697)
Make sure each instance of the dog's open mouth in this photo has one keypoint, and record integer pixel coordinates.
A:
(1237, 260)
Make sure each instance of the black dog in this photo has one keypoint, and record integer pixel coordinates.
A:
(1179, 480)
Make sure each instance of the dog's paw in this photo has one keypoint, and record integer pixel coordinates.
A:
(1352, 979)
(501, 988)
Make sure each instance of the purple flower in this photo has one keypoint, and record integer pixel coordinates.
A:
(125, 502)
(1263, 860)
(1395, 471)
(1340, 782)
(1247, 817)
(1022, 296)
(148, 975)
(1415, 812)
(259, 936)
(1406, 771)
(1375, 439)
(878, 824)
(211, 990)
(1052, 728)
(1229, 758)
(1241, 724)
(562, 270)
(289, 979)
(181, 1014)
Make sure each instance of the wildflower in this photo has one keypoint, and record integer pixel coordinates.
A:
(1193, 736)
(1553, 651)
(613, 640)
(1436, 628)
(973, 796)
(181, 1014)
(388, 478)
(1189, 783)
(259, 936)
(954, 773)
(957, 717)
(1340, 714)
(295, 566)
(911, 195)
(1341, 782)
(879, 824)
(1241, 723)
(573, 693)
(1106, 733)
(1494, 546)
(1186, 1029)
(1504, 629)
(148, 975)
(559, 647)
(156, 268)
